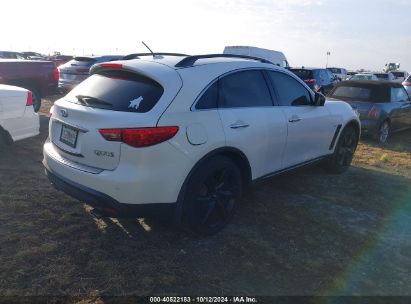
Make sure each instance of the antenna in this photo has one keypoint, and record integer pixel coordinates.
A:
(148, 48)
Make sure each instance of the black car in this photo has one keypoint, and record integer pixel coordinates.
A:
(318, 79)
(383, 106)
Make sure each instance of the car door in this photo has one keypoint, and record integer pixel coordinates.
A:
(250, 120)
(310, 128)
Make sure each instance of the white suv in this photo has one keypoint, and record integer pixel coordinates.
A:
(185, 136)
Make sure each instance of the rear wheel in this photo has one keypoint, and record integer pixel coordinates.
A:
(384, 132)
(343, 154)
(212, 194)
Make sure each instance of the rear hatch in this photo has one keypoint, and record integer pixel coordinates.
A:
(111, 99)
(361, 98)
(77, 68)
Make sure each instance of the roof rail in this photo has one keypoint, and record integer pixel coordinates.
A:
(137, 55)
(190, 60)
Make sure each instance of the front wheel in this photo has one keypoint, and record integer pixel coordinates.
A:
(383, 132)
(212, 194)
(343, 154)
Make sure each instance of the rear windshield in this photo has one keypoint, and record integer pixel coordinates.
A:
(382, 76)
(398, 74)
(352, 93)
(118, 91)
(303, 74)
(335, 70)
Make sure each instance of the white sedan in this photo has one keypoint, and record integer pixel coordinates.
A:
(17, 117)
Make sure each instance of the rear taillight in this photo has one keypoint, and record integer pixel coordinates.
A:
(140, 137)
(56, 73)
(373, 113)
(29, 101)
(310, 81)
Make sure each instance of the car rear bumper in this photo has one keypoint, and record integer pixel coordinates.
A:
(369, 127)
(105, 204)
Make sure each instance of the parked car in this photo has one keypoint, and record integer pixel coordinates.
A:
(400, 76)
(17, 117)
(339, 73)
(275, 57)
(11, 55)
(385, 76)
(40, 77)
(76, 70)
(201, 128)
(364, 76)
(320, 80)
(59, 59)
(384, 107)
(407, 85)
(34, 56)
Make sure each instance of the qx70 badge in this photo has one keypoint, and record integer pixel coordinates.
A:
(135, 104)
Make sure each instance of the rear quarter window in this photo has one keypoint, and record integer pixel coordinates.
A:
(118, 91)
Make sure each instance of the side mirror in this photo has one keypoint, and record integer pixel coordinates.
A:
(319, 99)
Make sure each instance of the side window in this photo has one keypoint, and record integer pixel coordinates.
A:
(209, 98)
(398, 95)
(290, 91)
(244, 89)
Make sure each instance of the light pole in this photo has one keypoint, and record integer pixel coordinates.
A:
(328, 54)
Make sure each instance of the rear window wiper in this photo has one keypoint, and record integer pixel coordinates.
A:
(87, 100)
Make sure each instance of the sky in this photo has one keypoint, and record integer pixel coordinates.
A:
(357, 33)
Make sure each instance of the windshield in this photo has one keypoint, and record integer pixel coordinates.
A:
(117, 91)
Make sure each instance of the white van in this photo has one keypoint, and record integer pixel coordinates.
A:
(275, 57)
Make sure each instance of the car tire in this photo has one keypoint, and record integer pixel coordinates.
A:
(212, 193)
(36, 98)
(384, 132)
(344, 151)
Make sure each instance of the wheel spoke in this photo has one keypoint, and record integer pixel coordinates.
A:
(209, 211)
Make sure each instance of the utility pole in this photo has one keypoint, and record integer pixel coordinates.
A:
(328, 54)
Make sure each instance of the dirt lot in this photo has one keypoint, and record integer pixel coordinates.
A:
(305, 233)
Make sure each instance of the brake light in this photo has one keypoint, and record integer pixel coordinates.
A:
(56, 73)
(373, 113)
(140, 137)
(310, 81)
(112, 65)
(29, 101)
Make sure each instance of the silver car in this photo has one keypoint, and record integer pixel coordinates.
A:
(383, 106)
(76, 70)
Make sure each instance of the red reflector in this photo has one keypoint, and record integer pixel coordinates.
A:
(29, 101)
(140, 137)
(112, 65)
(373, 113)
(56, 73)
(310, 81)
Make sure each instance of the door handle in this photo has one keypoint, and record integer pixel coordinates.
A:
(294, 119)
(239, 125)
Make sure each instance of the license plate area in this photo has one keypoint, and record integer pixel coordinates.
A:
(69, 135)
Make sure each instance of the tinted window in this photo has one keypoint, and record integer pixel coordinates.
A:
(398, 74)
(382, 76)
(244, 89)
(209, 98)
(290, 91)
(352, 93)
(335, 70)
(303, 74)
(398, 94)
(118, 91)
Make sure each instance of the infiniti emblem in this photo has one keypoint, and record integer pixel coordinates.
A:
(64, 112)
